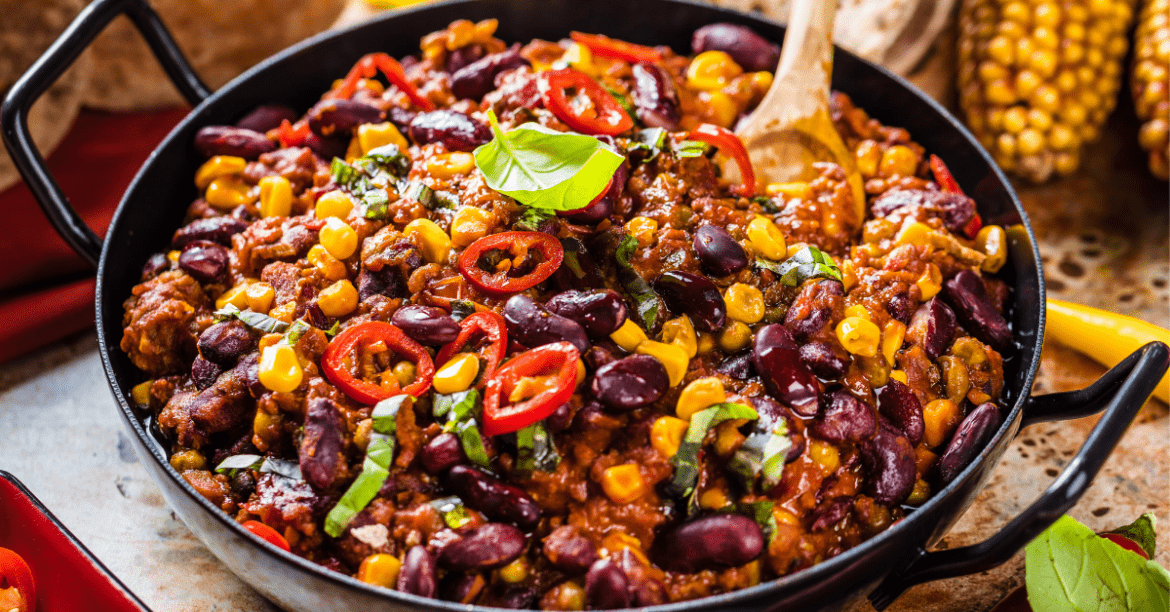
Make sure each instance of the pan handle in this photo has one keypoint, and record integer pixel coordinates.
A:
(1122, 391)
(14, 112)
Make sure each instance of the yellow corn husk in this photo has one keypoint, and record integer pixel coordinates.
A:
(1151, 91)
(1038, 79)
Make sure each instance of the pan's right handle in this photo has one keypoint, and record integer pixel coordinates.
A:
(14, 112)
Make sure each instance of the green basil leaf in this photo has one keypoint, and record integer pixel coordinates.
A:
(532, 219)
(686, 460)
(624, 101)
(456, 407)
(257, 321)
(345, 175)
(535, 450)
(543, 168)
(690, 148)
(295, 332)
(650, 140)
(332, 331)
(282, 467)
(646, 301)
(461, 309)
(452, 510)
(229, 311)
(472, 442)
(389, 159)
(375, 468)
(239, 462)
(420, 192)
(809, 262)
(1141, 532)
(768, 204)
(762, 454)
(374, 204)
(1068, 568)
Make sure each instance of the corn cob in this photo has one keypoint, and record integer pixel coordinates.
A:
(1038, 78)
(1151, 97)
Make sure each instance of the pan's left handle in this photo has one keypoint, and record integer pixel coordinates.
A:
(20, 98)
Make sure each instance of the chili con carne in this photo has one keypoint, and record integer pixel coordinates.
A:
(726, 141)
(333, 362)
(490, 325)
(598, 113)
(518, 244)
(557, 360)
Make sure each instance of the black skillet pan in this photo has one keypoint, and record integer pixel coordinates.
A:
(881, 568)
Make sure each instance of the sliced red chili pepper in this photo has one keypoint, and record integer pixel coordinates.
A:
(292, 134)
(946, 181)
(518, 244)
(617, 49)
(493, 327)
(337, 354)
(726, 141)
(592, 110)
(557, 361)
(15, 574)
(266, 533)
(368, 66)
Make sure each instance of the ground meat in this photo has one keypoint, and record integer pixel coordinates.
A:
(193, 415)
(162, 322)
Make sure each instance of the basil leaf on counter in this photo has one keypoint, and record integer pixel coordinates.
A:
(257, 321)
(1071, 569)
(763, 453)
(543, 168)
(808, 262)
(646, 301)
(452, 510)
(1141, 532)
(375, 468)
(535, 450)
(686, 460)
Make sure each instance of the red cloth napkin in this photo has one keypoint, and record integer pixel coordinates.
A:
(94, 165)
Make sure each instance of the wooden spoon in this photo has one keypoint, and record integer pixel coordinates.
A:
(791, 128)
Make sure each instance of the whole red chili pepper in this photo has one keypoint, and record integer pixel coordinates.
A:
(16, 574)
(946, 181)
(601, 115)
(518, 244)
(492, 327)
(617, 49)
(368, 66)
(726, 141)
(333, 362)
(557, 361)
(268, 534)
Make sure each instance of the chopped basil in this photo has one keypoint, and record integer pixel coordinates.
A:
(763, 453)
(388, 158)
(807, 263)
(230, 465)
(646, 301)
(268, 465)
(296, 331)
(532, 219)
(686, 460)
(760, 512)
(369, 176)
(452, 510)
(578, 262)
(472, 442)
(766, 203)
(461, 309)
(375, 204)
(375, 469)
(344, 174)
(459, 412)
(650, 140)
(690, 148)
(257, 321)
(535, 450)
(543, 168)
(623, 100)
(332, 331)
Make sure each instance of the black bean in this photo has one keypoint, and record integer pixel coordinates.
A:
(227, 140)
(695, 296)
(966, 293)
(655, 100)
(457, 132)
(204, 373)
(476, 79)
(777, 360)
(600, 311)
(267, 117)
(426, 324)
(844, 419)
(487, 547)
(569, 550)
(898, 403)
(225, 342)
(532, 325)
(711, 542)
(341, 117)
(630, 382)
(214, 229)
(824, 360)
(970, 437)
(750, 50)
(889, 458)
(719, 253)
(932, 327)
(206, 262)
(321, 456)
(417, 575)
(441, 453)
(606, 586)
(496, 500)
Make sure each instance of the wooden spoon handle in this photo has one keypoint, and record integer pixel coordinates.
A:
(807, 56)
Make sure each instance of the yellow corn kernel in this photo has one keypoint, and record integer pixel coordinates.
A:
(404, 372)
(992, 240)
(581, 373)
(370, 136)
(892, 338)
(868, 155)
(623, 483)
(581, 58)
(941, 417)
(568, 596)
(784, 517)
(228, 192)
(699, 395)
(617, 541)
(268, 340)
(707, 343)
(353, 151)
(825, 455)
(712, 70)
(457, 374)
(914, 233)
(331, 268)
(284, 312)
(919, 494)
(140, 394)
(859, 336)
(930, 283)
(681, 333)
(334, 204)
(450, 165)
(797, 189)
(259, 296)
(721, 108)
(470, 224)
(280, 370)
(338, 238)
(220, 165)
(380, 569)
(735, 336)
(666, 435)
(173, 257)
(642, 229)
(629, 336)
(899, 376)
(672, 357)
(744, 303)
(857, 310)
(432, 240)
(515, 571)
(898, 160)
(236, 296)
(767, 239)
(727, 438)
(275, 196)
(338, 299)
(714, 499)
(188, 460)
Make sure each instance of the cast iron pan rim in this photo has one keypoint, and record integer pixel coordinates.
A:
(827, 567)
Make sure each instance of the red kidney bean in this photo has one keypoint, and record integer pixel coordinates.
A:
(486, 547)
(457, 132)
(777, 360)
(644, 588)
(719, 253)
(968, 296)
(695, 296)
(426, 324)
(830, 513)
(844, 419)
(889, 457)
(599, 311)
(900, 307)
(461, 588)
(824, 360)
(569, 550)
(954, 209)
(606, 586)
(157, 264)
(441, 453)
(473, 81)
(932, 327)
(205, 261)
(739, 366)
(417, 575)
(630, 382)
(711, 542)
(227, 140)
(560, 419)
(532, 325)
(340, 116)
(771, 413)
(204, 373)
(496, 500)
(249, 369)
(970, 437)
(214, 229)
(387, 282)
(516, 597)
(463, 56)
(898, 403)
(601, 354)
(655, 100)
(813, 308)
(321, 449)
(750, 50)
(579, 270)
(327, 147)
(267, 117)
(224, 342)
